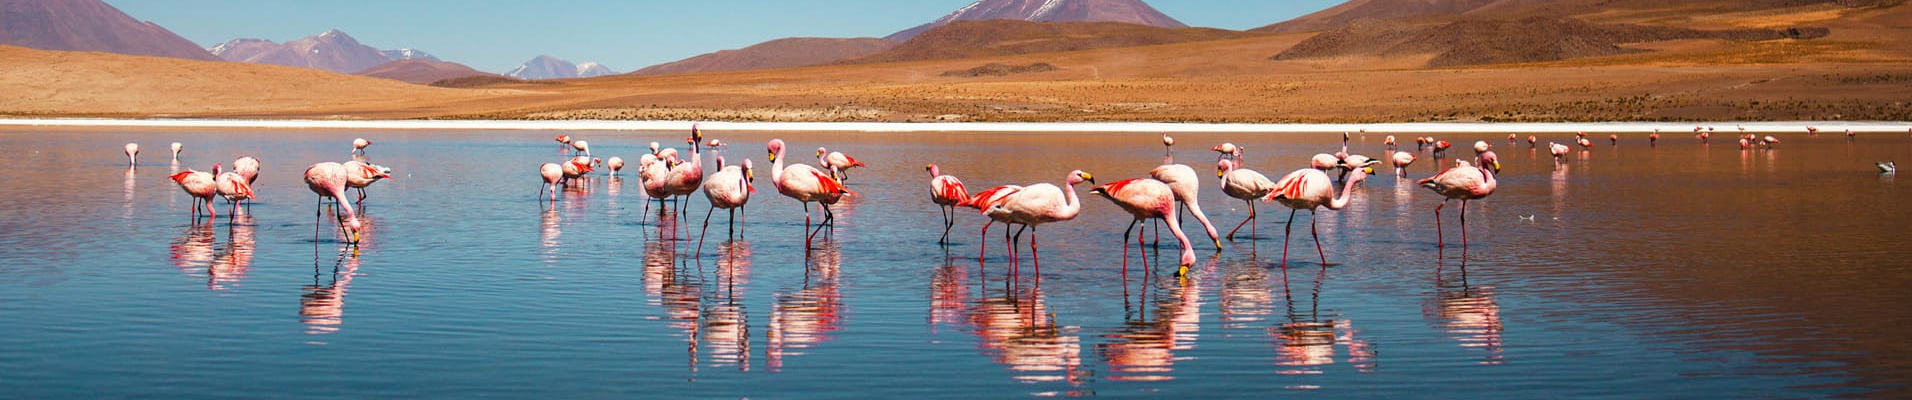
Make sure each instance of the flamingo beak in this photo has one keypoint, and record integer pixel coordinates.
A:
(773, 157)
(1368, 170)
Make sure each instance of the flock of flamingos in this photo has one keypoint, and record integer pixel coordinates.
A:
(1168, 191)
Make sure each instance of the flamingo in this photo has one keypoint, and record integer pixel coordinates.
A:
(358, 146)
(1768, 141)
(1324, 162)
(651, 172)
(582, 146)
(1743, 143)
(1310, 189)
(728, 188)
(247, 167)
(1389, 141)
(1465, 182)
(947, 192)
(1187, 185)
(1511, 138)
(1440, 148)
(1401, 160)
(982, 201)
(132, 154)
(1145, 199)
(1043, 203)
(359, 175)
(1229, 150)
(201, 186)
(176, 149)
(1851, 135)
(564, 139)
(1532, 141)
(838, 163)
(1812, 131)
(1888, 167)
(1354, 162)
(616, 163)
(1420, 143)
(1654, 139)
(1244, 184)
(1168, 144)
(552, 174)
(1489, 160)
(327, 179)
(1613, 139)
(686, 177)
(807, 185)
(1584, 143)
(577, 167)
(233, 187)
(1559, 151)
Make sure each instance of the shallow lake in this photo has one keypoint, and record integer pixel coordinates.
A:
(1673, 271)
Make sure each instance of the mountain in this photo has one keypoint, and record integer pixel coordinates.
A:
(548, 67)
(780, 53)
(1342, 14)
(408, 54)
(1128, 11)
(331, 51)
(1500, 42)
(1444, 11)
(88, 25)
(419, 70)
(967, 39)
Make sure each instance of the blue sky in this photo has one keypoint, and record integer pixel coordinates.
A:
(496, 36)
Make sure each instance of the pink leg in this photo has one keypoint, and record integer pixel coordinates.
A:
(983, 241)
(1441, 239)
(1251, 218)
(1125, 246)
(1284, 237)
(1035, 253)
(1312, 216)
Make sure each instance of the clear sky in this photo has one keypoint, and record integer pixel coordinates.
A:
(497, 35)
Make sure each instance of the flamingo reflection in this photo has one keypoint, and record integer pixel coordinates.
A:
(193, 249)
(676, 291)
(1246, 297)
(1018, 329)
(726, 327)
(1144, 349)
(1306, 342)
(807, 317)
(1469, 313)
(229, 264)
(322, 307)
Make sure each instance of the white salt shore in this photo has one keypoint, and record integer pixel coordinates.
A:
(1720, 127)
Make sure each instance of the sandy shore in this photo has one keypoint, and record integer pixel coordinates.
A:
(1722, 127)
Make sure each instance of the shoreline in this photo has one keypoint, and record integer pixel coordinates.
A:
(1722, 127)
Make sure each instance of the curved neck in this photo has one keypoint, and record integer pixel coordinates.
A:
(1340, 200)
(776, 169)
(1071, 206)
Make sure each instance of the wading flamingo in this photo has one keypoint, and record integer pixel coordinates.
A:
(248, 167)
(807, 185)
(838, 163)
(233, 187)
(564, 139)
(616, 163)
(1532, 141)
(1465, 182)
(1559, 151)
(1146, 199)
(947, 192)
(1168, 144)
(1228, 150)
(1244, 184)
(686, 177)
(982, 201)
(1613, 139)
(576, 168)
(1401, 160)
(1310, 189)
(552, 174)
(176, 149)
(728, 188)
(358, 146)
(200, 185)
(1390, 142)
(651, 172)
(582, 147)
(1039, 204)
(132, 154)
(327, 179)
(1654, 139)
(1186, 184)
(359, 175)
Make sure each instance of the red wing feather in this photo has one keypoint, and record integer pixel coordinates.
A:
(830, 185)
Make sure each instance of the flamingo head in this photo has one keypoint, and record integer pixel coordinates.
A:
(653, 147)
(596, 161)
(1490, 161)
(776, 146)
(1077, 177)
(934, 171)
(750, 173)
(1222, 167)
(696, 133)
(821, 151)
(216, 168)
(1481, 146)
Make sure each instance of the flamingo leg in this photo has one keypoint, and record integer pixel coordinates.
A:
(1439, 237)
(733, 222)
(1251, 217)
(947, 224)
(1463, 223)
(1312, 217)
(806, 225)
(1286, 235)
(706, 230)
(1125, 246)
(1035, 253)
(983, 241)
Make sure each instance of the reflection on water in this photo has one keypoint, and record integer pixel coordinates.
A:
(1017, 328)
(1246, 297)
(1167, 320)
(807, 317)
(1467, 312)
(726, 318)
(322, 307)
(1306, 343)
(677, 291)
(192, 251)
(229, 264)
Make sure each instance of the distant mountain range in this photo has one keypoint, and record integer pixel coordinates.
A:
(332, 50)
(88, 25)
(1125, 11)
(548, 67)
(423, 71)
(780, 53)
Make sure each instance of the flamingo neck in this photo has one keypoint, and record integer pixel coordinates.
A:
(1071, 206)
(1340, 200)
(776, 169)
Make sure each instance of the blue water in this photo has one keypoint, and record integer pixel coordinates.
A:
(1676, 271)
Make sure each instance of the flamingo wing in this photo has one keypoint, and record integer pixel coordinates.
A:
(830, 185)
(1291, 186)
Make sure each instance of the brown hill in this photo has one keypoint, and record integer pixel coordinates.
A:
(331, 51)
(88, 25)
(421, 71)
(1125, 11)
(1500, 42)
(967, 39)
(780, 53)
(1443, 11)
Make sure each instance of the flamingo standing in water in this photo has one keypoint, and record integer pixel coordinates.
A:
(327, 179)
(947, 192)
(1324, 162)
(1465, 182)
(358, 146)
(564, 140)
(1168, 144)
(201, 186)
(176, 149)
(838, 163)
(576, 168)
(359, 175)
(582, 147)
(686, 177)
(807, 185)
(1613, 139)
(1851, 135)
(248, 167)
(552, 174)
(1532, 141)
(1654, 139)
(1559, 151)
(1401, 160)
(1244, 184)
(728, 188)
(1228, 150)
(1310, 189)
(982, 201)
(651, 172)
(132, 154)
(1186, 184)
(233, 187)
(1390, 142)
(1145, 199)
(616, 163)
(1039, 204)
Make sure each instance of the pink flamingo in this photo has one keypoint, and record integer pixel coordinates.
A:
(359, 175)
(1186, 184)
(1511, 138)
(729, 188)
(1229, 150)
(1465, 182)
(1354, 162)
(1039, 204)
(686, 177)
(838, 163)
(1310, 189)
(1168, 144)
(176, 149)
(651, 172)
(1654, 139)
(248, 167)
(1145, 199)
(1389, 141)
(552, 174)
(582, 147)
(1559, 151)
(616, 163)
(1324, 162)
(807, 185)
(947, 192)
(1613, 139)
(358, 145)
(564, 139)
(1401, 160)
(201, 186)
(233, 187)
(1584, 143)
(1244, 184)
(1440, 148)
(1532, 141)
(577, 167)
(982, 201)
(327, 179)
(1768, 141)
(1851, 135)
(132, 154)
